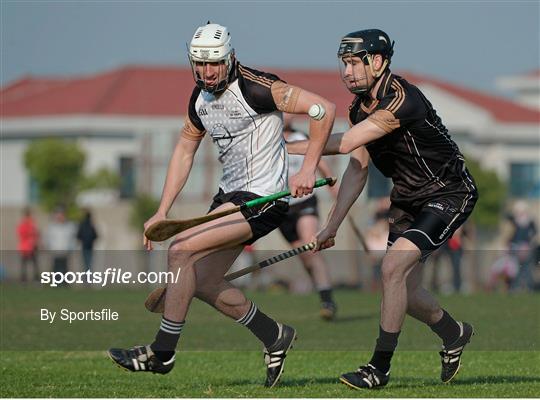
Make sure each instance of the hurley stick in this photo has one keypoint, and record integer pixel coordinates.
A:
(359, 234)
(155, 302)
(163, 230)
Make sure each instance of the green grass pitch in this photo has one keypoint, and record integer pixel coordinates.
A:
(218, 358)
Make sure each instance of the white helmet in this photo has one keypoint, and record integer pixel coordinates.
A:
(211, 43)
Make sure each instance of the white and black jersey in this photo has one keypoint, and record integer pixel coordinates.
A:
(295, 164)
(247, 128)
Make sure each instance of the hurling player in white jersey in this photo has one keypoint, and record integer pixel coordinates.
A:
(240, 108)
(302, 224)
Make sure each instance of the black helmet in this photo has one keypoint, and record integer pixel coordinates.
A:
(367, 41)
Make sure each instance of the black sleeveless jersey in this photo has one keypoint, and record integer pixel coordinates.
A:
(417, 152)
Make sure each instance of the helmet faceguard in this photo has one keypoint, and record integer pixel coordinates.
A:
(365, 44)
(356, 84)
(211, 44)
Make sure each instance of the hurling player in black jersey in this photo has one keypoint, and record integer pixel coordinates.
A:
(394, 124)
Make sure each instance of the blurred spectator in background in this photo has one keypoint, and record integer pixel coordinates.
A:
(522, 244)
(453, 248)
(376, 241)
(504, 270)
(60, 240)
(28, 238)
(87, 235)
(302, 223)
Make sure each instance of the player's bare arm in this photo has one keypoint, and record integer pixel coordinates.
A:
(353, 182)
(292, 99)
(346, 142)
(325, 170)
(177, 173)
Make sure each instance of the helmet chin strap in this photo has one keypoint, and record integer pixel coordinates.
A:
(376, 73)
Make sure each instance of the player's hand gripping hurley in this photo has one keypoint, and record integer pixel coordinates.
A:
(165, 229)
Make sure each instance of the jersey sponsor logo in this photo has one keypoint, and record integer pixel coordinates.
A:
(217, 106)
(442, 235)
(438, 206)
(234, 113)
(202, 112)
(221, 136)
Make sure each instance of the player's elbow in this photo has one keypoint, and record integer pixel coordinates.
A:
(346, 146)
(330, 110)
(358, 168)
(363, 175)
(327, 114)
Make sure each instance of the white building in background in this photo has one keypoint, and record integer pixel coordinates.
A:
(128, 120)
(526, 87)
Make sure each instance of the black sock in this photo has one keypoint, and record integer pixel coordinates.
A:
(166, 339)
(262, 326)
(447, 329)
(384, 350)
(326, 295)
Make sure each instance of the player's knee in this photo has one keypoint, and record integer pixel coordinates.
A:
(392, 271)
(183, 248)
(180, 254)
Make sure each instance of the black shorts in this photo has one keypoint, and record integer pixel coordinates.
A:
(289, 227)
(433, 223)
(262, 219)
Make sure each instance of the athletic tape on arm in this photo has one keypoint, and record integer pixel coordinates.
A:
(285, 96)
(385, 120)
(191, 132)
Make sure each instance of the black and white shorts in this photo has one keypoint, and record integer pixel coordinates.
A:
(262, 220)
(433, 223)
(289, 227)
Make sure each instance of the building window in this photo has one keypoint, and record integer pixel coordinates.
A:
(525, 180)
(127, 177)
(33, 191)
(378, 184)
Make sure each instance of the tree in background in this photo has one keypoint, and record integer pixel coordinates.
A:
(57, 167)
(143, 207)
(492, 191)
(103, 178)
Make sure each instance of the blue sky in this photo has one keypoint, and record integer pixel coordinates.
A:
(470, 43)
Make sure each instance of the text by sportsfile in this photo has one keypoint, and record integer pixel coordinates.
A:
(109, 276)
(105, 314)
